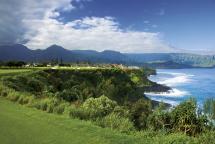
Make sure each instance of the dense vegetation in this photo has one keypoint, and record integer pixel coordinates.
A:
(23, 125)
(79, 85)
(110, 98)
(13, 63)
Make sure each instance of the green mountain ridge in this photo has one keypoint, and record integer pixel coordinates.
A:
(154, 60)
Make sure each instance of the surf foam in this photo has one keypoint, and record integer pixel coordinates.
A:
(171, 102)
(177, 79)
(171, 93)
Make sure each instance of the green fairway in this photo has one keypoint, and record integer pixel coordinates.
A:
(21, 125)
(6, 72)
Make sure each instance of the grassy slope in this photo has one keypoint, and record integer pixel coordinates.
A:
(22, 125)
(7, 72)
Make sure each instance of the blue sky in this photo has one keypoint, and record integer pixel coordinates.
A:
(161, 25)
(186, 24)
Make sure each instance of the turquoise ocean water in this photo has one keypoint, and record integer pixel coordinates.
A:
(185, 83)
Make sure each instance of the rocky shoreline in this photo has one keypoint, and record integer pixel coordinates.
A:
(157, 88)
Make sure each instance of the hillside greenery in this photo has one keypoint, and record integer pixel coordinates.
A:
(194, 60)
(79, 85)
(173, 60)
(113, 99)
(22, 125)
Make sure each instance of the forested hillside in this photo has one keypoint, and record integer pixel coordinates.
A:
(194, 60)
(73, 85)
(174, 60)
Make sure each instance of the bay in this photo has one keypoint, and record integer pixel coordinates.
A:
(185, 83)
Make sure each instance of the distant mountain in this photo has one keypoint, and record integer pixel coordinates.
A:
(114, 56)
(167, 64)
(155, 60)
(194, 60)
(15, 52)
(149, 57)
(55, 52)
(20, 52)
(180, 59)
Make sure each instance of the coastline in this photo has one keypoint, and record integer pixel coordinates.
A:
(157, 89)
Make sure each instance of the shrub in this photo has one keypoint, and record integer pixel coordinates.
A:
(209, 109)
(21, 79)
(67, 109)
(4, 91)
(12, 95)
(99, 106)
(68, 95)
(35, 85)
(15, 96)
(159, 119)
(43, 104)
(1, 90)
(116, 122)
(60, 108)
(184, 118)
(23, 100)
(50, 108)
(79, 113)
(140, 112)
(31, 101)
(47, 104)
(52, 104)
(122, 111)
(207, 137)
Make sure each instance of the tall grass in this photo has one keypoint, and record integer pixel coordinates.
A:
(50, 105)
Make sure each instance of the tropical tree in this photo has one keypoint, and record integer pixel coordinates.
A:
(184, 118)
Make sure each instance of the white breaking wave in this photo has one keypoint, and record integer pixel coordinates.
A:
(174, 73)
(171, 93)
(171, 79)
(171, 102)
(175, 80)
(178, 79)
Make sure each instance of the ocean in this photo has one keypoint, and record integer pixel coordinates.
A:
(185, 83)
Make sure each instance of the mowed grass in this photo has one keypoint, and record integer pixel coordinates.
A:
(23, 125)
(7, 72)
(15, 71)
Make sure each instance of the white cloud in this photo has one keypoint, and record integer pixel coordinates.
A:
(34, 20)
(93, 33)
(14, 12)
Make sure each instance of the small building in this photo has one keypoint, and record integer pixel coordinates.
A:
(133, 67)
(27, 65)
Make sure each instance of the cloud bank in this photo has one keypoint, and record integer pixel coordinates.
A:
(35, 23)
(14, 13)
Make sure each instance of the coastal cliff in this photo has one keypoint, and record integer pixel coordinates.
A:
(121, 85)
